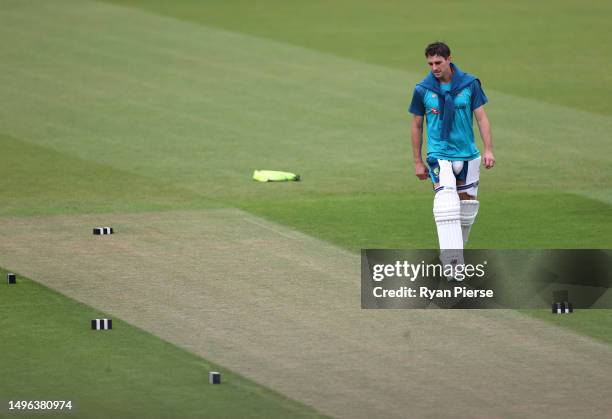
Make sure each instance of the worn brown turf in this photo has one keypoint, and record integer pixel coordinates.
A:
(283, 309)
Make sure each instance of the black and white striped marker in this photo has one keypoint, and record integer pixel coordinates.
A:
(562, 308)
(101, 324)
(11, 278)
(214, 377)
(98, 231)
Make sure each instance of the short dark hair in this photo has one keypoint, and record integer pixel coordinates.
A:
(437, 48)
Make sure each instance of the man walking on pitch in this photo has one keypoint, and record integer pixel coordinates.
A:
(448, 99)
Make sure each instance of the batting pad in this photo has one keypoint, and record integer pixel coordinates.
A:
(469, 210)
(447, 213)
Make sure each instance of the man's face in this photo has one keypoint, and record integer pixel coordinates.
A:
(440, 66)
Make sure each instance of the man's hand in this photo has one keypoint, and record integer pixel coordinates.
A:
(488, 159)
(420, 170)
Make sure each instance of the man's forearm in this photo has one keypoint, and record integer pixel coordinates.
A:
(417, 144)
(485, 133)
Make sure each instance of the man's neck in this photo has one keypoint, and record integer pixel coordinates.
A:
(445, 79)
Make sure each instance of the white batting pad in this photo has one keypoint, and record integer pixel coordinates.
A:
(447, 213)
(469, 210)
(446, 175)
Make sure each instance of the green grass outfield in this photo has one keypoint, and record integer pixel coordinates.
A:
(161, 106)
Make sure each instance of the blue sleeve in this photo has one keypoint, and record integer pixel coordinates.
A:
(417, 106)
(478, 96)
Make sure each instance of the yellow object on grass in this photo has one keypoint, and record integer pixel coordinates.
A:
(274, 176)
